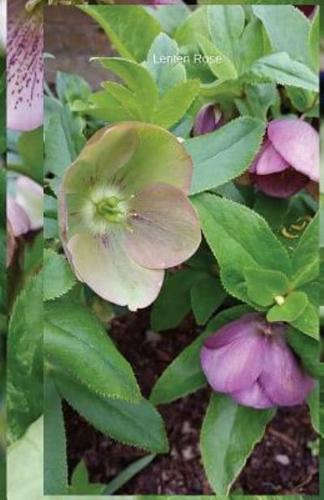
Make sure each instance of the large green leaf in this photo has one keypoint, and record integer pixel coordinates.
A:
(184, 375)
(25, 361)
(131, 30)
(224, 154)
(137, 424)
(240, 239)
(226, 25)
(287, 28)
(77, 345)
(280, 68)
(229, 434)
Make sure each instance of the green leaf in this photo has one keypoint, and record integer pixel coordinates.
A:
(137, 79)
(73, 335)
(30, 148)
(64, 137)
(263, 285)
(305, 259)
(224, 154)
(71, 87)
(127, 474)
(240, 239)
(184, 375)
(175, 102)
(280, 68)
(229, 434)
(287, 28)
(55, 461)
(314, 53)
(257, 100)
(308, 322)
(125, 29)
(173, 303)
(226, 25)
(136, 424)
(293, 307)
(25, 465)
(206, 296)
(313, 401)
(252, 44)
(307, 349)
(80, 484)
(58, 277)
(25, 361)
(166, 73)
(220, 65)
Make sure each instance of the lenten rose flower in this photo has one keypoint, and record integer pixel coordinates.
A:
(208, 119)
(25, 65)
(124, 212)
(250, 360)
(25, 209)
(288, 158)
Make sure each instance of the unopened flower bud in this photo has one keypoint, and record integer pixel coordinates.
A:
(208, 119)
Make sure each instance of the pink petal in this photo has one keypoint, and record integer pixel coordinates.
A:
(248, 325)
(29, 195)
(282, 377)
(25, 67)
(164, 229)
(17, 217)
(235, 366)
(253, 396)
(103, 264)
(269, 161)
(298, 143)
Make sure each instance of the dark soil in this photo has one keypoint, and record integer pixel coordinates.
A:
(282, 463)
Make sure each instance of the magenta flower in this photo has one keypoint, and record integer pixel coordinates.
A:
(250, 360)
(124, 212)
(207, 120)
(288, 159)
(25, 65)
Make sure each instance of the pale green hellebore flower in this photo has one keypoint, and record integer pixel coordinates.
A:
(124, 212)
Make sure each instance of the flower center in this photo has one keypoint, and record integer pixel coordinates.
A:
(112, 209)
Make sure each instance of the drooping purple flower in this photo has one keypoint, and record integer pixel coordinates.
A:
(208, 119)
(124, 212)
(288, 158)
(250, 360)
(25, 65)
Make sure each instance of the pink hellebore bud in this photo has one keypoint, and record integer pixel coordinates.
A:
(24, 65)
(207, 120)
(288, 159)
(124, 212)
(250, 360)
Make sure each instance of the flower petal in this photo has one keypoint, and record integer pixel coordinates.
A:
(248, 325)
(164, 228)
(281, 185)
(282, 376)
(29, 195)
(253, 396)
(235, 366)
(269, 161)
(108, 150)
(25, 67)
(298, 143)
(160, 157)
(104, 265)
(17, 217)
